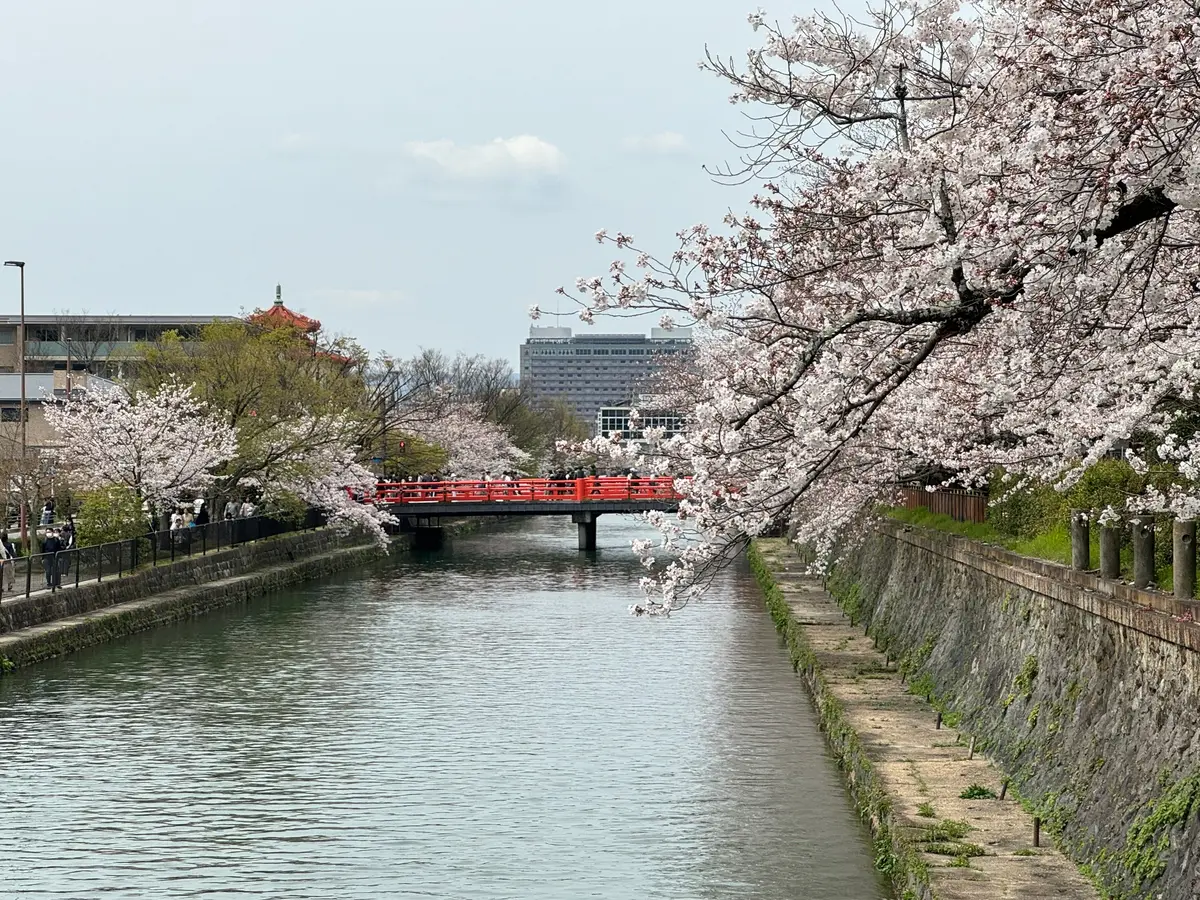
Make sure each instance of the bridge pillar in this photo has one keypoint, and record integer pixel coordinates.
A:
(586, 523)
(428, 537)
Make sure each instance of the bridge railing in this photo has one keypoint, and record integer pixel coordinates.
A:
(570, 490)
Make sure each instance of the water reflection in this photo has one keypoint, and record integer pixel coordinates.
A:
(485, 722)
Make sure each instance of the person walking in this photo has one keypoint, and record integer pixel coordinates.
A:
(50, 548)
(67, 554)
(48, 512)
(8, 563)
(231, 509)
(201, 514)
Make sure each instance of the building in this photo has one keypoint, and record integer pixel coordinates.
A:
(612, 420)
(40, 387)
(590, 371)
(96, 344)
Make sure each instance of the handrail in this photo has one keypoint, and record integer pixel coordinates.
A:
(538, 490)
(25, 575)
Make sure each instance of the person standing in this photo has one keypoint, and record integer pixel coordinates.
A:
(201, 513)
(8, 563)
(231, 509)
(50, 548)
(48, 512)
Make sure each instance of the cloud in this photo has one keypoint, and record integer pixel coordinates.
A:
(521, 157)
(665, 143)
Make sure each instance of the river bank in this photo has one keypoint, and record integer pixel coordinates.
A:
(908, 776)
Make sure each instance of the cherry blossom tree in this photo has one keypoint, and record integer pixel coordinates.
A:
(975, 244)
(475, 445)
(324, 475)
(161, 445)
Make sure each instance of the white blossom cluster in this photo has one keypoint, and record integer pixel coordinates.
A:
(476, 447)
(977, 243)
(161, 446)
(166, 446)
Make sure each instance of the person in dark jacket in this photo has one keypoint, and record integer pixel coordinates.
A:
(51, 546)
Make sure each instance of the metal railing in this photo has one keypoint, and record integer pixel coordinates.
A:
(572, 490)
(27, 575)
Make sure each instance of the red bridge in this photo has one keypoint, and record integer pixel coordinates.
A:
(423, 503)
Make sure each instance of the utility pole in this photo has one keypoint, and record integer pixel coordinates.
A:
(23, 411)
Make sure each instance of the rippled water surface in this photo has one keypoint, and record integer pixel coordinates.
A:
(486, 722)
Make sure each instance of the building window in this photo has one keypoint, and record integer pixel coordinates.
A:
(12, 414)
(45, 334)
(8, 335)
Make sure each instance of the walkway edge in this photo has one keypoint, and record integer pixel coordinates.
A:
(895, 857)
(27, 646)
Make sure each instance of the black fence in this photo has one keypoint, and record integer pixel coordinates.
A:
(70, 568)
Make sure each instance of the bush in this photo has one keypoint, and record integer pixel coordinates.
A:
(978, 792)
(110, 514)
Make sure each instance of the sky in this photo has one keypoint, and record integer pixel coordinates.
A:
(414, 174)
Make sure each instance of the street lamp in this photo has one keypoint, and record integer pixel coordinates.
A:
(21, 412)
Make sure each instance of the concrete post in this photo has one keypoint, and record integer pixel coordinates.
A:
(1184, 558)
(1081, 540)
(1110, 552)
(1143, 551)
(586, 523)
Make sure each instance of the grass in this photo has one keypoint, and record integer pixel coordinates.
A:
(978, 792)
(925, 810)
(955, 848)
(1054, 546)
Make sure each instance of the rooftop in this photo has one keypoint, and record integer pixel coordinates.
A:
(69, 319)
(537, 333)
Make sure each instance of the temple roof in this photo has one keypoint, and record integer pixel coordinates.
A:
(278, 315)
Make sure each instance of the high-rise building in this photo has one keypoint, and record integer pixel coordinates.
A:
(589, 371)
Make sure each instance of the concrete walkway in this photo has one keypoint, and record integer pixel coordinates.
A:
(921, 764)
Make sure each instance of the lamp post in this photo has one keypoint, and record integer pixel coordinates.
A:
(22, 411)
(67, 341)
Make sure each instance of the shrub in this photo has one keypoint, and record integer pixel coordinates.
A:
(110, 514)
(978, 792)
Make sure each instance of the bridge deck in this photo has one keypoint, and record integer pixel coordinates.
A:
(434, 510)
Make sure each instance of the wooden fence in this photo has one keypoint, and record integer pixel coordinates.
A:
(964, 506)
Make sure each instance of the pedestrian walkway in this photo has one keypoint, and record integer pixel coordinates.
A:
(924, 769)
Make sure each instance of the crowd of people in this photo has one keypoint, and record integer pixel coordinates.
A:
(53, 537)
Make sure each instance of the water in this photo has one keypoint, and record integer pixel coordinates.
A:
(486, 722)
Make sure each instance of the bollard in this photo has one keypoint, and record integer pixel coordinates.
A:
(1003, 788)
(1110, 552)
(1143, 551)
(1081, 540)
(1037, 831)
(971, 749)
(1184, 558)
(939, 722)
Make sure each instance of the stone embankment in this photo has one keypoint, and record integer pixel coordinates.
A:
(1086, 693)
(916, 780)
(43, 625)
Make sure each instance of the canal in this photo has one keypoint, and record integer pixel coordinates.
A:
(482, 722)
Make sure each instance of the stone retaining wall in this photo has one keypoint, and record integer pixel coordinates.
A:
(1087, 694)
(37, 609)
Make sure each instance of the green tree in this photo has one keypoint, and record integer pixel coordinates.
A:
(110, 514)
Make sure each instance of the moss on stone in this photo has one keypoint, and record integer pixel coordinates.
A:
(897, 858)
